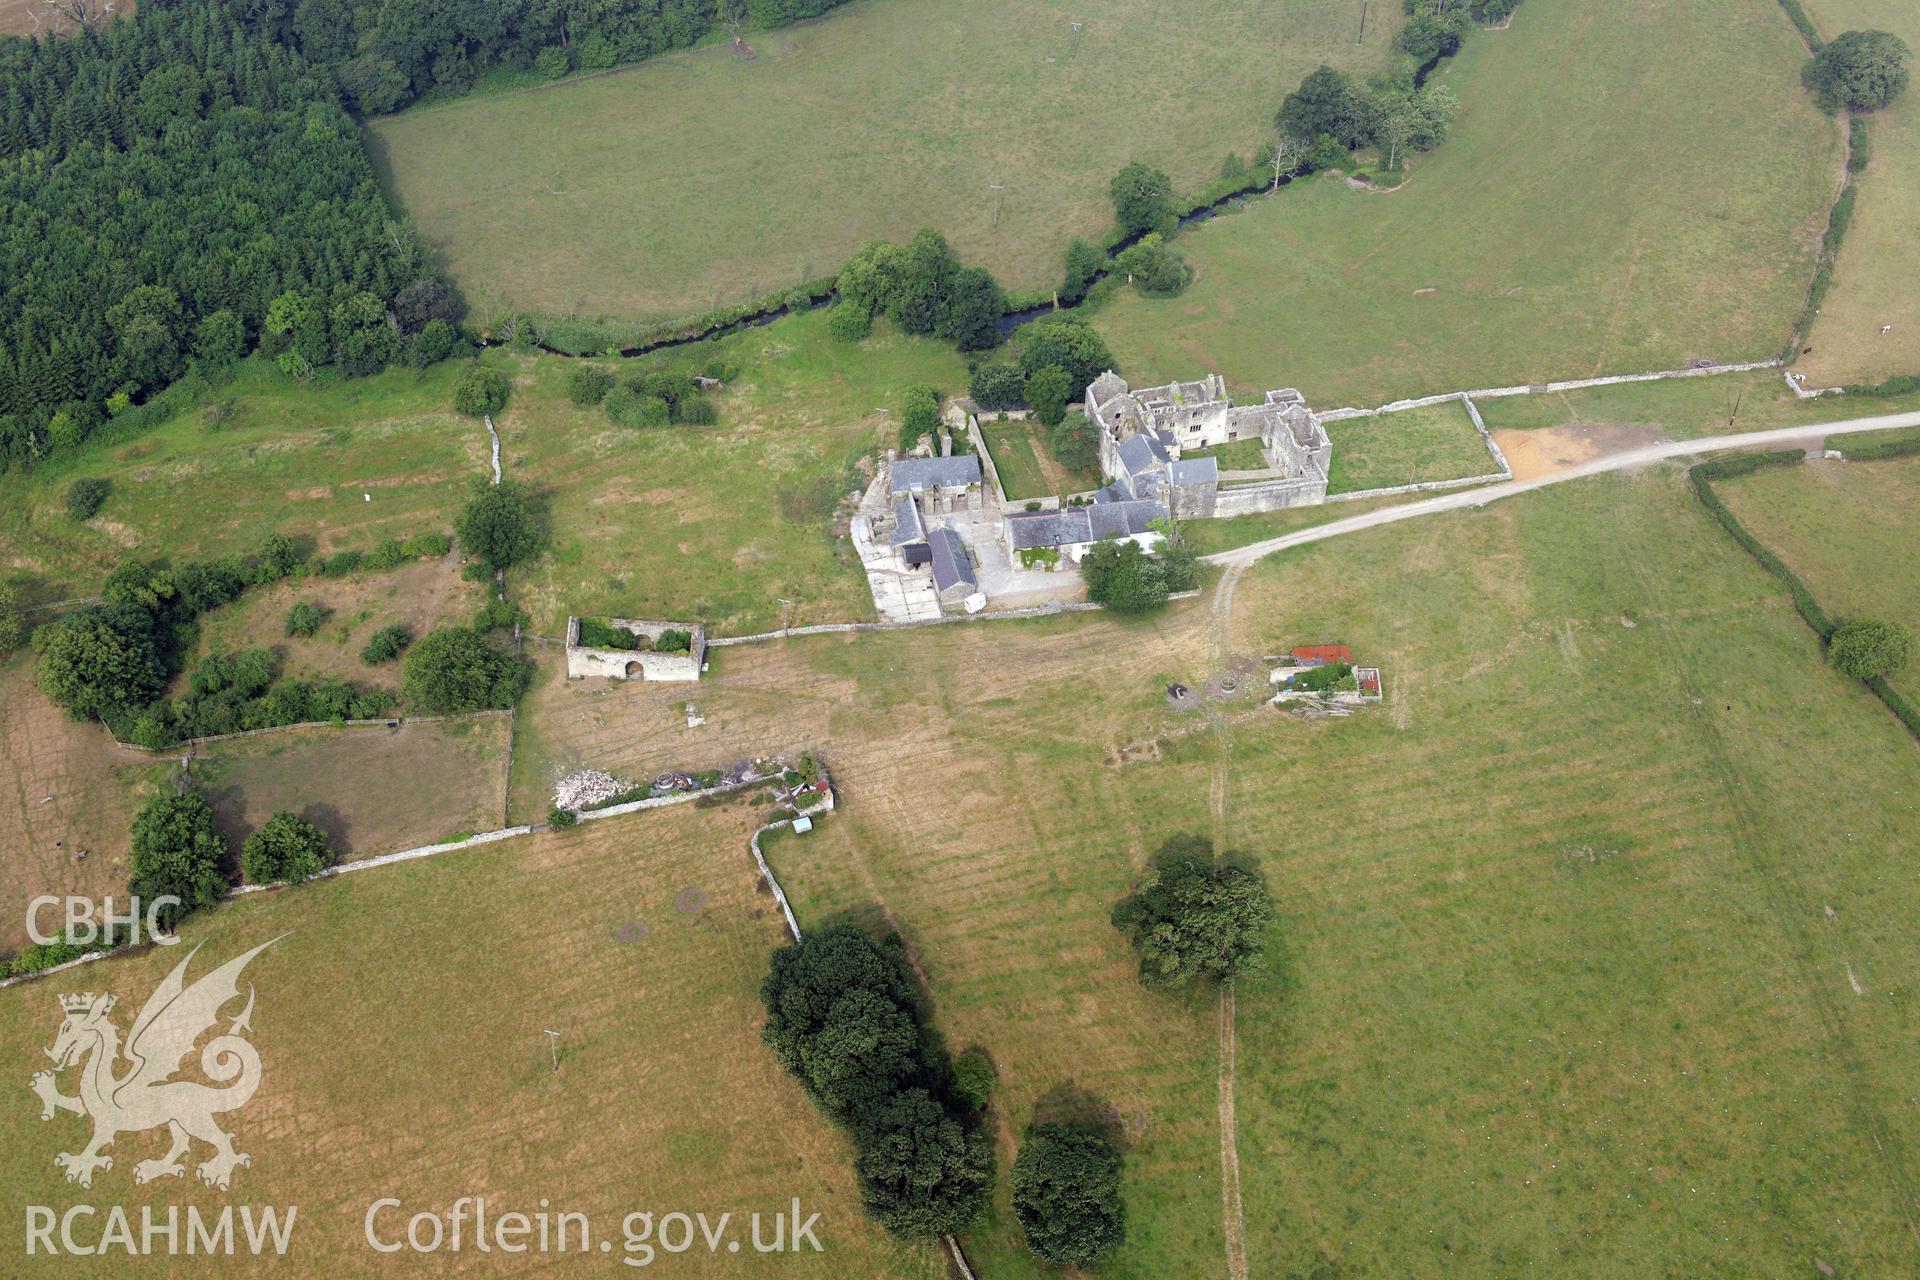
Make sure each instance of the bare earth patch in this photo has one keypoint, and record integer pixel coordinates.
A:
(1551, 449)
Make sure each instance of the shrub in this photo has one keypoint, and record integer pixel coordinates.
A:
(695, 411)
(429, 545)
(481, 391)
(1083, 265)
(674, 640)
(385, 644)
(1066, 1193)
(551, 62)
(341, 563)
(1865, 647)
(1859, 71)
(595, 634)
(1073, 443)
(588, 384)
(848, 323)
(919, 415)
(997, 386)
(1859, 146)
(85, 497)
(304, 619)
(101, 661)
(388, 553)
(973, 1078)
(1154, 268)
(1193, 918)
(561, 819)
(502, 524)
(177, 853)
(623, 406)
(13, 624)
(454, 669)
(497, 614)
(1123, 578)
(655, 411)
(287, 848)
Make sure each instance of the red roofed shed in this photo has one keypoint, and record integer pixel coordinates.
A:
(1321, 655)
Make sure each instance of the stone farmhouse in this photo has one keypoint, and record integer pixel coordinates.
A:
(919, 492)
(1143, 435)
(642, 663)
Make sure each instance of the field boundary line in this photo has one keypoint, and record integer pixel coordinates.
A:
(1548, 388)
(395, 721)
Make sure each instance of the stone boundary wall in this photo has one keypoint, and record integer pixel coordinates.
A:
(1465, 398)
(1274, 495)
(842, 628)
(452, 846)
(382, 722)
(1571, 384)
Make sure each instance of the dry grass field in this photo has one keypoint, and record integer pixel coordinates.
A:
(700, 178)
(419, 595)
(1631, 184)
(1881, 255)
(1569, 974)
(1841, 526)
(64, 787)
(372, 790)
(399, 1023)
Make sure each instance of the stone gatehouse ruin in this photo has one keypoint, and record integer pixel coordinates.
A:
(1143, 435)
(602, 652)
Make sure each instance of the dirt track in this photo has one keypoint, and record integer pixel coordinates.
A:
(1626, 461)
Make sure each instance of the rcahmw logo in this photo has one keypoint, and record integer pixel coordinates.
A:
(145, 1095)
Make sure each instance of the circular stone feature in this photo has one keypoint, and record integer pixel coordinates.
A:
(631, 931)
(691, 900)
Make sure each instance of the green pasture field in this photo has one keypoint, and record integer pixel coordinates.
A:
(1559, 988)
(399, 1022)
(1872, 282)
(1841, 526)
(700, 179)
(681, 522)
(1686, 408)
(340, 465)
(1631, 184)
(1435, 442)
(1238, 455)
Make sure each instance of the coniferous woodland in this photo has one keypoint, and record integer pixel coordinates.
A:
(179, 188)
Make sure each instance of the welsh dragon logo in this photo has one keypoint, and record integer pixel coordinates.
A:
(144, 1096)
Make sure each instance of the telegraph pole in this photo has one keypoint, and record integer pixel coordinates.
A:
(785, 604)
(1074, 48)
(553, 1043)
(999, 190)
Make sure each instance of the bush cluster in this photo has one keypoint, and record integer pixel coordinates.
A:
(923, 289)
(843, 1018)
(1195, 916)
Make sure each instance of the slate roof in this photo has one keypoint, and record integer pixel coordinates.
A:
(1083, 524)
(951, 568)
(1195, 471)
(929, 473)
(1140, 452)
(907, 526)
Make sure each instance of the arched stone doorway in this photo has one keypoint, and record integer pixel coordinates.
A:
(635, 670)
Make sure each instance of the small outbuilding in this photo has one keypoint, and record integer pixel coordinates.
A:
(953, 575)
(635, 649)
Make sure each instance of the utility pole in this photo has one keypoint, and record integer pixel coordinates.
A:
(1738, 397)
(553, 1043)
(999, 190)
(785, 604)
(1074, 48)
(1361, 38)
